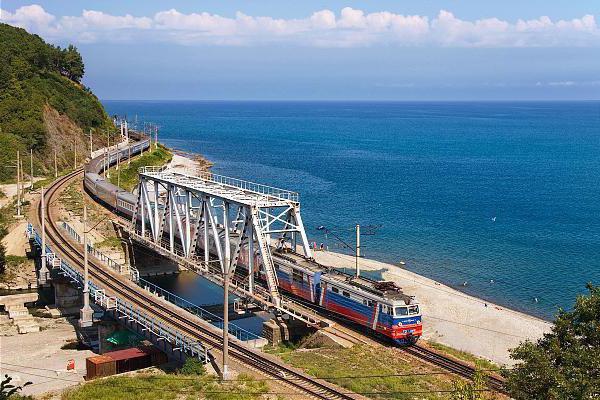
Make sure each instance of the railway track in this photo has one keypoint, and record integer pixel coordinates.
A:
(493, 382)
(266, 364)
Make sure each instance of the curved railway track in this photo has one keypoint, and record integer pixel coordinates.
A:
(267, 365)
(310, 386)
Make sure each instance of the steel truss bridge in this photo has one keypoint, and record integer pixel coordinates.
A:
(209, 222)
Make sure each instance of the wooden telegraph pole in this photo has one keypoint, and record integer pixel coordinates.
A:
(18, 184)
(31, 166)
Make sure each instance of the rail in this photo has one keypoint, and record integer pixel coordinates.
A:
(126, 309)
(222, 180)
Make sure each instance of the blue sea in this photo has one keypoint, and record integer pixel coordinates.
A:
(501, 195)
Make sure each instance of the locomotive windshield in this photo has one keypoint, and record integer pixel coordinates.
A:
(404, 311)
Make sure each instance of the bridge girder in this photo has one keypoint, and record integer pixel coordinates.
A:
(194, 216)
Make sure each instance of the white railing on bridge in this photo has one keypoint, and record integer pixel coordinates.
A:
(247, 186)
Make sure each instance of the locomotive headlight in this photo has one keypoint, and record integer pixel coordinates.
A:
(419, 322)
(400, 323)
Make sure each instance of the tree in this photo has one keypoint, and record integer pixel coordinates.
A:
(565, 363)
(72, 64)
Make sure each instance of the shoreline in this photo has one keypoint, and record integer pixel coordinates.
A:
(450, 317)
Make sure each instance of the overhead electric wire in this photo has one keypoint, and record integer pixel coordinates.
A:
(391, 375)
(257, 392)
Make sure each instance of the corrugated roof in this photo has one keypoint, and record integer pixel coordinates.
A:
(99, 359)
(125, 354)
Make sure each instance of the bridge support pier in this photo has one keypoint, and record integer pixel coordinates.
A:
(66, 297)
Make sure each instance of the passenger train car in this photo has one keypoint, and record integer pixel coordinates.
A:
(379, 306)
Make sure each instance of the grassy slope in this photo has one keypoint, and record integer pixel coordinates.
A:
(362, 360)
(128, 178)
(167, 387)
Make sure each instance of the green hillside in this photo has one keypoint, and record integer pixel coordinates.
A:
(39, 83)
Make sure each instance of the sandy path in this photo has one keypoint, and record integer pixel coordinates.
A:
(16, 241)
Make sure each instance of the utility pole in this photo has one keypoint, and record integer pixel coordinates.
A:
(43, 278)
(55, 165)
(128, 147)
(31, 165)
(226, 267)
(91, 145)
(357, 253)
(18, 185)
(22, 181)
(75, 155)
(156, 137)
(107, 154)
(85, 316)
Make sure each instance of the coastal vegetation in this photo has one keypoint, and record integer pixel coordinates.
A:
(43, 105)
(564, 363)
(127, 175)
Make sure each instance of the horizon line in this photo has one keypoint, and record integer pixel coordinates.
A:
(362, 100)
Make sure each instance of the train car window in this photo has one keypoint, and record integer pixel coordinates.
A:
(370, 303)
(401, 311)
(334, 289)
(413, 310)
(346, 294)
(297, 276)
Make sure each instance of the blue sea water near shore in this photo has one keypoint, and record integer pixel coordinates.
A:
(500, 195)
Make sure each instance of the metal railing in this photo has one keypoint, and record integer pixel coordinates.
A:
(240, 333)
(112, 264)
(247, 186)
(127, 310)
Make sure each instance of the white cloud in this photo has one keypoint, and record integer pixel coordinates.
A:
(350, 27)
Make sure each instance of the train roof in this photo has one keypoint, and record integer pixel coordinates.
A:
(385, 289)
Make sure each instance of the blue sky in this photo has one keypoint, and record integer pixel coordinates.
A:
(379, 50)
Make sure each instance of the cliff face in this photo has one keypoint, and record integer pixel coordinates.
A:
(43, 105)
(64, 137)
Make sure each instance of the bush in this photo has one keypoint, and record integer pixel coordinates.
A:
(193, 366)
(564, 363)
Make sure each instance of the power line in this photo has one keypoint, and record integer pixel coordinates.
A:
(397, 375)
(257, 392)
(456, 292)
